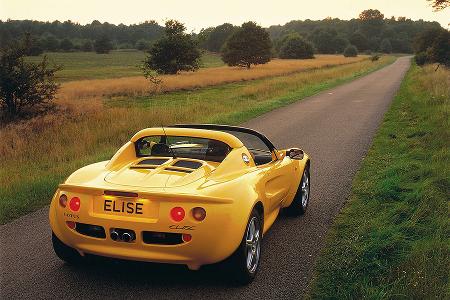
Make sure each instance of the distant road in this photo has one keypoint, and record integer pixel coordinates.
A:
(336, 127)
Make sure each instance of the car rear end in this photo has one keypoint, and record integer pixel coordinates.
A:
(157, 227)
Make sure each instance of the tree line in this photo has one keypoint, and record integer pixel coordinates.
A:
(70, 36)
(369, 32)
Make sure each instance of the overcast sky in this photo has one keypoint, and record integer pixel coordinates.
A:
(197, 14)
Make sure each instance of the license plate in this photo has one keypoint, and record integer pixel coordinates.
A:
(119, 206)
(126, 207)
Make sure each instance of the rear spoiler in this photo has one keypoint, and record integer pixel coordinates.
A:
(136, 194)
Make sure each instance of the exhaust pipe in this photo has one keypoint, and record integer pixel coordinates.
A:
(114, 235)
(126, 237)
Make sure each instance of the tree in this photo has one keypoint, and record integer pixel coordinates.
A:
(360, 41)
(24, 85)
(350, 51)
(439, 52)
(425, 39)
(87, 46)
(176, 51)
(31, 46)
(439, 4)
(103, 45)
(50, 43)
(66, 45)
(296, 47)
(386, 46)
(248, 45)
(323, 39)
(372, 22)
(340, 44)
(213, 39)
(142, 45)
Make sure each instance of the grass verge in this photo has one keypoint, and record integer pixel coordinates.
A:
(392, 239)
(39, 154)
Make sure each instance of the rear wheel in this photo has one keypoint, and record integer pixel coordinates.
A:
(301, 199)
(64, 252)
(244, 262)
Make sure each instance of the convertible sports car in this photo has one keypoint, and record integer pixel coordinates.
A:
(186, 194)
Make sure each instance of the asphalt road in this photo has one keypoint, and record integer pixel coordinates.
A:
(336, 127)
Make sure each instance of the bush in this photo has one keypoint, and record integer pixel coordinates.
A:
(296, 47)
(24, 85)
(375, 57)
(420, 58)
(350, 51)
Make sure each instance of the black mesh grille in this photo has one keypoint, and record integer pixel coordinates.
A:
(153, 161)
(161, 238)
(90, 230)
(188, 164)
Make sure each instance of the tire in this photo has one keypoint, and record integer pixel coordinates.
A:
(244, 262)
(301, 199)
(65, 253)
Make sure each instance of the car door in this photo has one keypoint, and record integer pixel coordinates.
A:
(276, 180)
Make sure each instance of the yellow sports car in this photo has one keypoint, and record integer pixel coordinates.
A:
(186, 194)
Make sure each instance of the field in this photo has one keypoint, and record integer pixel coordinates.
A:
(120, 63)
(391, 241)
(38, 154)
(138, 86)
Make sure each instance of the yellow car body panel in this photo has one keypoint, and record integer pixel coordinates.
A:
(227, 190)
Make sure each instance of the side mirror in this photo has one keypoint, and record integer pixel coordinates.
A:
(295, 153)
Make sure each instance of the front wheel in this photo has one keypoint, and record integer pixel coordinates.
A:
(244, 262)
(301, 199)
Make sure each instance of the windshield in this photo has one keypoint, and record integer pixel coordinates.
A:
(182, 146)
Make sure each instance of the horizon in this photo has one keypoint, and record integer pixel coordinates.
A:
(264, 15)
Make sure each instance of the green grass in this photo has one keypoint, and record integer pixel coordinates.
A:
(121, 63)
(105, 131)
(391, 241)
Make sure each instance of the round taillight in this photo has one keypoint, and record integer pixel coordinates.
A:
(74, 204)
(199, 213)
(177, 214)
(186, 237)
(63, 200)
(71, 224)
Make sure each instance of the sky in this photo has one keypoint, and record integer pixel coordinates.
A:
(198, 14)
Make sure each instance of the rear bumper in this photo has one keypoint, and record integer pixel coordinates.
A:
(213, 239)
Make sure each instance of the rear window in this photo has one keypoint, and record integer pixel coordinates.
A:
(182, 147)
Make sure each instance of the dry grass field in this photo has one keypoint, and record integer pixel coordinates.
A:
(37, 154)
(138, 85)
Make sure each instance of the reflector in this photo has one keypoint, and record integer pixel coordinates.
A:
(186, 237)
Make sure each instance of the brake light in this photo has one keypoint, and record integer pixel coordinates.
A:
(63, 200)
(177, 214)
(74, 204)
(199, 213)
